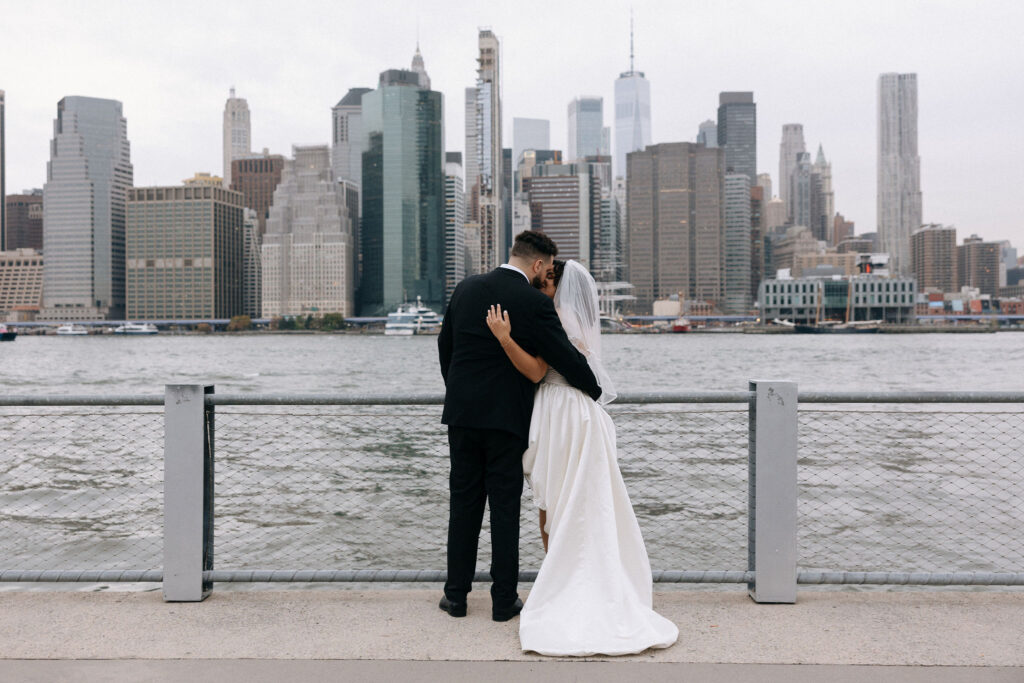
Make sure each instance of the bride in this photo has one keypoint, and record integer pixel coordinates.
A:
(593, 592)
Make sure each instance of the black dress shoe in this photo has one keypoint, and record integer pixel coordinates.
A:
(507, 613)
(457, 609)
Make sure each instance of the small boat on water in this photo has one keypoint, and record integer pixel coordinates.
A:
(680, 325)
(7, 334)
(71, 330)
(136, 328)
(839, 327)
(412, 319)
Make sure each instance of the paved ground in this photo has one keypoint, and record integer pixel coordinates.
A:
(402, 635)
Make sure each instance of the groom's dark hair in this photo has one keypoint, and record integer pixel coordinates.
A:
(532, 244)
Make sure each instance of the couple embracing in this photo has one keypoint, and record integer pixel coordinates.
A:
(521, 359)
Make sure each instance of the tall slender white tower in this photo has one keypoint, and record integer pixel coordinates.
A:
(632, 112)
(237, 133)
(792, 144)
(823, 169)
(483, 153)
(899, 168)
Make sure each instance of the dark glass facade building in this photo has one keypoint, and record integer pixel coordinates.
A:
(737, 132)
(402, 232)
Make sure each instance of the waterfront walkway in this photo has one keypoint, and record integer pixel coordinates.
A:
(393, 635)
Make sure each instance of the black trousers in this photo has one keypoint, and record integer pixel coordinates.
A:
(486, 466)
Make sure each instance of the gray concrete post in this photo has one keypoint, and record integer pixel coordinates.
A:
(188, 492)
(771, 502)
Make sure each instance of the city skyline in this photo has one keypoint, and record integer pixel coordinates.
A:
(966, 178)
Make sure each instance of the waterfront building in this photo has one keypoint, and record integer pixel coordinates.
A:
(899, 168)
(858, 298)
(707, 134)
(792, 144)
(978, 265)
(737, 132)
(800, 191)
(529, 134)
(454, 224)
(237, 132)
(632, 113)
(24, 220)
(484, 154)
(586, 126)
(842, 229)
(256, 176)
(797, 240)
(3, 171)
(934, 254)
(824, 199)
(87, 181)
(737, 258)
(347, 136)
(252, 265)
(675, 212)
(759, 263)
(21, 284)
(764, 180)
(565, 203)
(1007, 261)
(308, 250)
(774, 215)
(184, 252)
(402, 234)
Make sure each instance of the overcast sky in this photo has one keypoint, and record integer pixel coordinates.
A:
(810, 62)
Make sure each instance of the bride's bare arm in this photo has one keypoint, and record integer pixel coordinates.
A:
(532, 367)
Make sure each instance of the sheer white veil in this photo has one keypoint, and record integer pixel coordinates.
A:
(576, 302)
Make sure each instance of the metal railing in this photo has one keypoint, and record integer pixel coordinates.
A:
(880, 488)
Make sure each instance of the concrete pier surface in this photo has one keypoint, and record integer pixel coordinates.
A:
(391, 635)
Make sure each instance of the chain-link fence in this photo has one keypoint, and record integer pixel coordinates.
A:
(81, 488)
(901, 487)
(366, 488)
(911, 488)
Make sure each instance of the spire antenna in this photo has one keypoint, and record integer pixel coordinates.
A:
(631, 40)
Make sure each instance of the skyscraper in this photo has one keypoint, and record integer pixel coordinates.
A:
(87, 180)
(826, 201)
(347, 136)
(308, 256)
(632, 112)
(934, 252)
(529, 134)
(899, 168)
(764, 180)
(737, 132)
(565, 203)
(675, 208)
(454, 225)
(25, 220)
(736, 295)
(183, 252)
(252, 265)
(978, 265)
(237, 132)
(483, 153)
(707, 134)
(791, 145)
(403, 228)
(586, 124)
(3, 172)
(256, 177)
(800, 191)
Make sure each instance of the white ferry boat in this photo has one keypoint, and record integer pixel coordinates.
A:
(136, 328)
(412, 319)
(71, 330)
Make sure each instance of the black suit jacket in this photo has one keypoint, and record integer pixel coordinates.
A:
(483, 388)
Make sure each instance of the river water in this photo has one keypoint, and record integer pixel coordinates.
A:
(900, 488)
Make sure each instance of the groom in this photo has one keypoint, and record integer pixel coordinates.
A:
(487, 408)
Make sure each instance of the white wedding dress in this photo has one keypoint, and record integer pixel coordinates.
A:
(593, 593)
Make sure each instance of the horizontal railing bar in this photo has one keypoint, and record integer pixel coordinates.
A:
(913, 578)
(80, 575)
(911, 397)
(73, 400)
(438, 399)
(439, 576)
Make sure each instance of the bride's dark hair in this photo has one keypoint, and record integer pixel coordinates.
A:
(557, 268)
